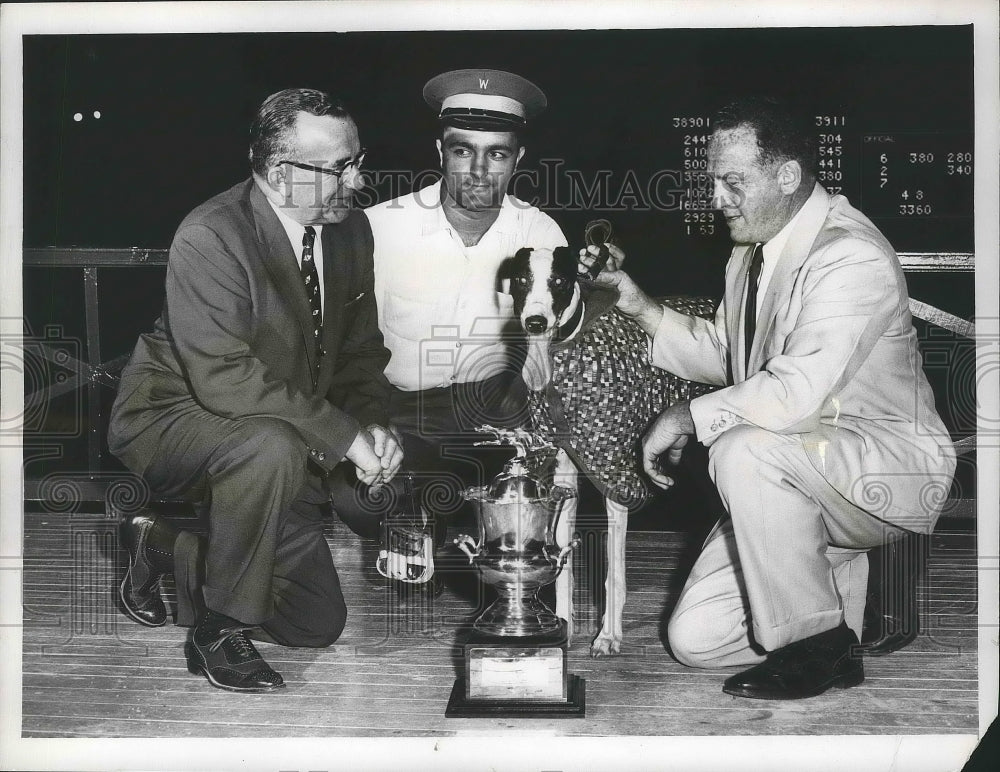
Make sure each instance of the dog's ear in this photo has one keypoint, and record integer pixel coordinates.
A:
(522, 255)
(564, 261)
(509, 267)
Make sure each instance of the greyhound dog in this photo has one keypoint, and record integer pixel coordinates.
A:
(592, 393)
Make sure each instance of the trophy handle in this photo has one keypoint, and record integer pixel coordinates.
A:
(463, 542)
(560, 558)
(558, 494)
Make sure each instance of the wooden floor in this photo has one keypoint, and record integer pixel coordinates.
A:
(91, 672)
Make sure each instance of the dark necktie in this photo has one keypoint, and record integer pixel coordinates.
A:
(750, 312)
(310, 277)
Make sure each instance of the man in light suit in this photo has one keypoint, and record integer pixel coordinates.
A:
(263, 373)
(823, 441)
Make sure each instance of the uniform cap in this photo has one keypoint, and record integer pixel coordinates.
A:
(484, 100)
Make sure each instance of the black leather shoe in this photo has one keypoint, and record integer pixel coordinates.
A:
(220, 649)
(149, 541)
(802, 669)
(892, 619)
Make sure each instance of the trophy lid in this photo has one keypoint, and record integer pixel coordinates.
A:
(516, 483)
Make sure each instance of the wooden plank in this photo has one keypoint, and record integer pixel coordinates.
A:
(965, 445)
(329, 710)
(942, 319)
(138, 256)
(960, 508)
(645, 720)
(937, 261)
(81, 257)
(133, 680)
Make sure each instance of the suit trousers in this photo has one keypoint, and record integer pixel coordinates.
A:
(438, 427)
(264, 561)
(788, 563)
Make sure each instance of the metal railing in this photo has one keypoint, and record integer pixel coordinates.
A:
(93, 373)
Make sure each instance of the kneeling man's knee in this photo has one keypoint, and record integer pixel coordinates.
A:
(324, 629)
(273, 446)
(272, 439)
(321, 639)
(686, 639)
(739, 454)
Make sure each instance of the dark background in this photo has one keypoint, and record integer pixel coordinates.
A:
(175, 111)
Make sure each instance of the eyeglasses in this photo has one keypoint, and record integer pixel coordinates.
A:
(353, 165)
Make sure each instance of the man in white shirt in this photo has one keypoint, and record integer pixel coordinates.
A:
(441, 308)
(823, 441)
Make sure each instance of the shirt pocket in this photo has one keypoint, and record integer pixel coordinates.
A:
(407, 316)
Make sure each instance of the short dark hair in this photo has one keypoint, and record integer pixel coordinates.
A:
(782, 134)
(273, 125)
(519, 134)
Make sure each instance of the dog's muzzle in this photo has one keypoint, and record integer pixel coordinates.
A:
(536, 324)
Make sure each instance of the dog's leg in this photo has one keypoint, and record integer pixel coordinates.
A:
(609, 640)
(566, 475)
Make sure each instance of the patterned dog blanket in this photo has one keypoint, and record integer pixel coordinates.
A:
(604, 393)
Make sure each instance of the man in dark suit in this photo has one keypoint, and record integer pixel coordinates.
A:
(262, 374)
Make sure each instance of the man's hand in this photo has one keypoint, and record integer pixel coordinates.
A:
(632, 301)
(362, 454)
(388, 446)
(668, 434)
(589, 255)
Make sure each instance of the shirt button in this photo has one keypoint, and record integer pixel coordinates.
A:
(322, 456)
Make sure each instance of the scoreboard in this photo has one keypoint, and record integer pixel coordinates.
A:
(916, 186)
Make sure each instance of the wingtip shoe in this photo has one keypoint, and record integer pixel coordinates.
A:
(149, 542)
(220, 650)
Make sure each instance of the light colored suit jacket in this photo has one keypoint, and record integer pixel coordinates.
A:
(834, 360)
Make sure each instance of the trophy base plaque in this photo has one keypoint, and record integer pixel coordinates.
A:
(517, 677)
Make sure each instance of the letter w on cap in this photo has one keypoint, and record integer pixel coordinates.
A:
(484, 82)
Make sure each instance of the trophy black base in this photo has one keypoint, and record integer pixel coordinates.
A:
(517, 677)
(574, 706)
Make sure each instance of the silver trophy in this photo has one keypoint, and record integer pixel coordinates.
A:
(515, 658)
(516, 550)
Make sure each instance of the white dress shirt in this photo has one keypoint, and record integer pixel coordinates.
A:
(440, 307)
(295, 233)
(772, 251)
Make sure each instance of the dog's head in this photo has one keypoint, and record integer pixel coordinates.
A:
(543, 285)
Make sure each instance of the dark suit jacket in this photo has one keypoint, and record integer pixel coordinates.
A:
(236, 336)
